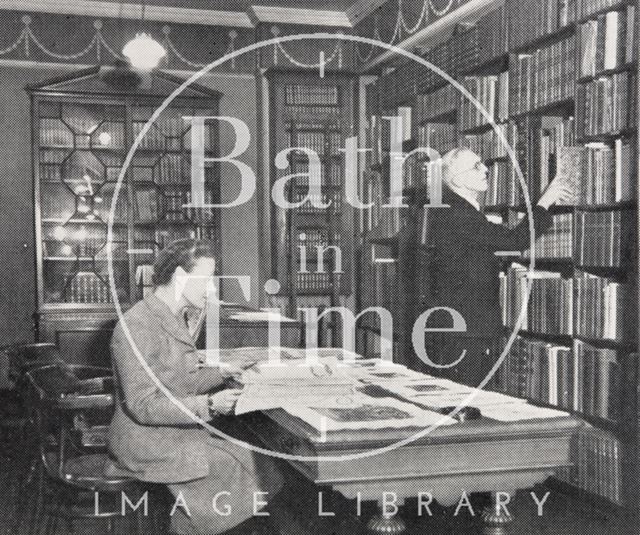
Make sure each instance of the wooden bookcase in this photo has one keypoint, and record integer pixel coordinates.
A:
(573, 360)
(312, 111)
(83, 126)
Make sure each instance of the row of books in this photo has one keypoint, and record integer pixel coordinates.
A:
(314, 237)
(312, 95)
(599, 239)
(492, 42)
(550, 305)
(330, 175)
(604, 105)
(169, 134)
(441, 137)
(87, 287)
(151, 206)
(488, 145)
(539, 371)
(173, 168)
(586, 8)
(317, 142)
(492, 93)
(498, 177)
(597, 469)
(54, 133)
(600, 307)
(443, 101)
(607, 42)
(543, 77)
(583, 378)
(600, 380)
(453, 56)
(557, 242)
(607, 173)
(529, 20)
(316, 283)
(312, 116)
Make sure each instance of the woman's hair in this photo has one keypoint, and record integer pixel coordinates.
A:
(183, 253)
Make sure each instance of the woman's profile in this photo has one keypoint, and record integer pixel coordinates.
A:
(153, 438)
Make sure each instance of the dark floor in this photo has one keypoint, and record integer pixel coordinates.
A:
(295, 512)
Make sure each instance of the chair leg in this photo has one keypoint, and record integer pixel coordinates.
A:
(37, 515)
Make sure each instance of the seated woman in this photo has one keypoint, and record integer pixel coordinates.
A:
(150, 435)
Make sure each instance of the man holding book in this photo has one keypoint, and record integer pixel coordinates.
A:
(463, 256)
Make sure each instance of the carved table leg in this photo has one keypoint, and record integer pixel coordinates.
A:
(381, 524)
(495, 519)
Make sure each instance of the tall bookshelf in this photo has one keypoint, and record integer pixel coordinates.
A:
(315, 111)
(559, 79)
(83, 126)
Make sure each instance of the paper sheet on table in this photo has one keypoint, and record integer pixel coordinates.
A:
(480, 399)
(322, 383)
(387, 372)
(260, 316)
(245, 356)
(520, 411)
(369, 413)
(254, 398)
(427, 387)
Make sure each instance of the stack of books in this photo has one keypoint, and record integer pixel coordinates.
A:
(557, 242)
(599, 239)
(539, 371)
(599, 307)
(529, 20)
(492, 93)
(488, 145)
(607, 42)
(541, 78)
(604, 105)
(607, 174)
(550, 306)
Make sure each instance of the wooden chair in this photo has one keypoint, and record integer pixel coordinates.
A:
(14, 419)
(73, 405)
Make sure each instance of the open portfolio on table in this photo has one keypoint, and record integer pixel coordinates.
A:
(329, 389)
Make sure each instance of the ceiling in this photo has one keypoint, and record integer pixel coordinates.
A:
(243, 5)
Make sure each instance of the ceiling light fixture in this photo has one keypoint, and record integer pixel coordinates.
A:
(143, 51)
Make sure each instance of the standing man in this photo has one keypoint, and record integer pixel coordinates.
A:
(463, 268)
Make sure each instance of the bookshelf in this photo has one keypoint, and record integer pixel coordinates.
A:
(311, 246)
(559, 79)
(83, 126)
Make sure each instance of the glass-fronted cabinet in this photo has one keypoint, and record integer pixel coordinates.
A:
(83, 128)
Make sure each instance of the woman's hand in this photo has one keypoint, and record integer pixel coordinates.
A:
(223, 402)
(230, 371)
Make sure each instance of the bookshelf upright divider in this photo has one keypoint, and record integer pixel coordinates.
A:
(316, 112)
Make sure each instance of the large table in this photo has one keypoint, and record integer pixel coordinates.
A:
(474, 456)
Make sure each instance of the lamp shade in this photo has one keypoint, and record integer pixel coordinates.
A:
(144, 52)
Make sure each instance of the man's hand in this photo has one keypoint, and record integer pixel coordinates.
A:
(223, 402)
(556, 191)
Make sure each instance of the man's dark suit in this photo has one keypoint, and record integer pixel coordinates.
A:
(463, 274)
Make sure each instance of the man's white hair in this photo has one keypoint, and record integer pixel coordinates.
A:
(449, 164)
